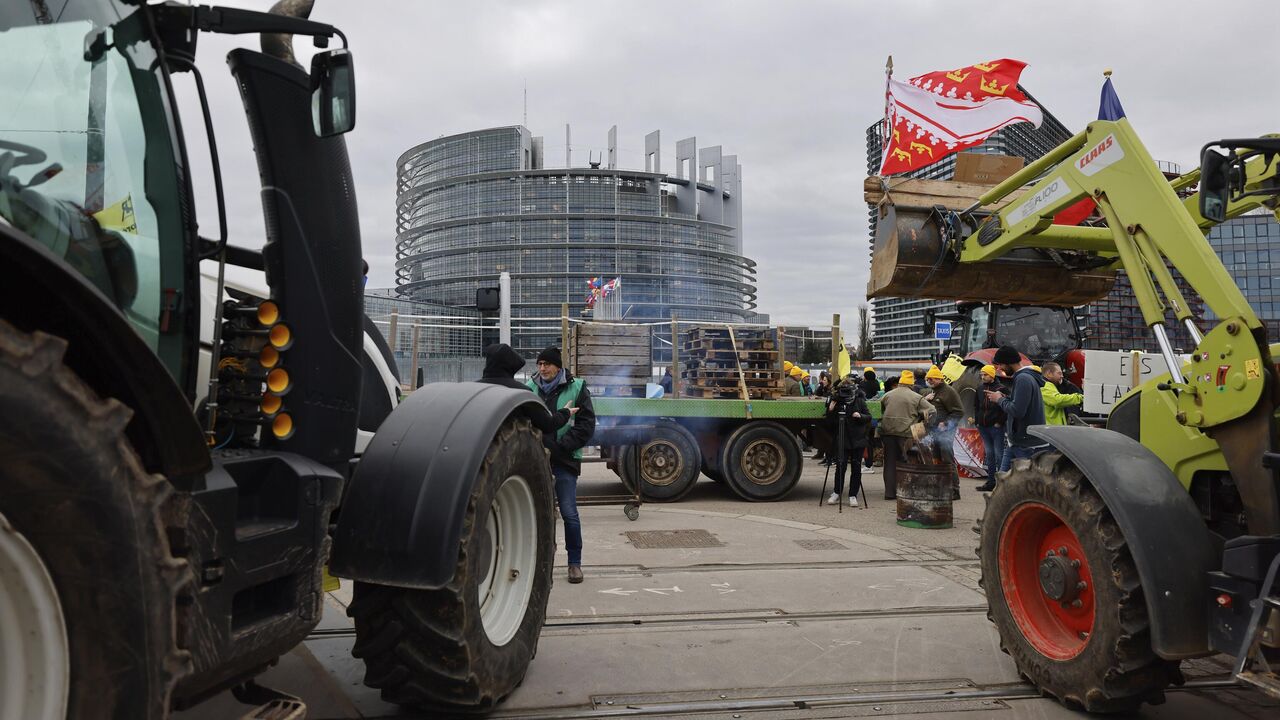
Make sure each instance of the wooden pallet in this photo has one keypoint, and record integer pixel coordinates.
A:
(729, 354)
(752, 365)
(727, 345)
(727, 376)
(716, 393)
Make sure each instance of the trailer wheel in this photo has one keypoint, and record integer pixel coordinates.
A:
(669, 463)
(1063, 591)
(762, 461)
(88, 585)
(466, 646)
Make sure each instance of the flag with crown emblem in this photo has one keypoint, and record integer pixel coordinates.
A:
(936, 114)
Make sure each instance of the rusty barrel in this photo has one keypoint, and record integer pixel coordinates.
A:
(924, 495)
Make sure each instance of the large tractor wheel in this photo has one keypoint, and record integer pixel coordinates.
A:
(761, 461)
(1063, 591)
(466, 646)
(87, 583)
(669, 463)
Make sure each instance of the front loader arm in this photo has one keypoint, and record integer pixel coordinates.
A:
(1229, 389)
(1147, 222)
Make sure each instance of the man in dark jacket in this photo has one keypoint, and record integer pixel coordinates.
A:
(989, 417)
(501, 364)
(950, 411)
(558, 389)
(848, 401)
(1026, 406)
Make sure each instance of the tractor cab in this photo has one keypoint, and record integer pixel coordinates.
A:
(1043, 333)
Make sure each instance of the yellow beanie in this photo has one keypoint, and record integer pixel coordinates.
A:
(868, 369)
(989, 370)
(907, 378)
(934, 374)
(786, 366)
(795, 372)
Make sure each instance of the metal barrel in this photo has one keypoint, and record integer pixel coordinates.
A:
(924, 495)
(908, 260)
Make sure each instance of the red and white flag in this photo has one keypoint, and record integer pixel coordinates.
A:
(939, 113)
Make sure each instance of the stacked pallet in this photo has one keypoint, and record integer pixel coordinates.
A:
(612, 357)
(717, 364)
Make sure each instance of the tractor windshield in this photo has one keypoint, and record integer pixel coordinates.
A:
(86, 153)
(1040, 333)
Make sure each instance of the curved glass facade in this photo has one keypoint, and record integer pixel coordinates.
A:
(473, 205)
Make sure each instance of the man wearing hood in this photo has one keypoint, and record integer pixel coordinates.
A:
(558, 389)
(501, 364)
(1025, 408)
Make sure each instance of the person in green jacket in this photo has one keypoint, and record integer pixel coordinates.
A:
(1055, 402)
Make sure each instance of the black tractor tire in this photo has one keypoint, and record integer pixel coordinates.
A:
(428, 648)
(72, 484)
(1116, 670)
(669, 463)
(762, 461)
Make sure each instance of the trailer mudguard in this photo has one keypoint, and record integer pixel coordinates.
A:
(1168, 539)
(401, 520)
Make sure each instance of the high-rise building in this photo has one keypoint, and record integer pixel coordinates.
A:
(1249, 247)
(472, 205)
(898, 323)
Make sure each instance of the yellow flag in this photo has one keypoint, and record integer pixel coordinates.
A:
(119, 216)
(843, 363)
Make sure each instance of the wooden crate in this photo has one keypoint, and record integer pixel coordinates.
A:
(613, 358)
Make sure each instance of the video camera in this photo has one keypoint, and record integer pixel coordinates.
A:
(844, 393)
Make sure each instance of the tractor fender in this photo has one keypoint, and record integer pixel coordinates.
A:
(40, 291)
(1167, 538)
(401, 520)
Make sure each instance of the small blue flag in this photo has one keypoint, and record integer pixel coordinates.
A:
(1109, 108)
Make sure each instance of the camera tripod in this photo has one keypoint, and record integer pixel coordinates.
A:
(840, 457)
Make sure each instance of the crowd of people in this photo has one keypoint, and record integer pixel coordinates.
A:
(1014, 396)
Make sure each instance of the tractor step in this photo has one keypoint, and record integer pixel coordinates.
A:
(1267, 682)
(278, 710)
(271, 703)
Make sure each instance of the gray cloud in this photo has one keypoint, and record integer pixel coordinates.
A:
(789, 87)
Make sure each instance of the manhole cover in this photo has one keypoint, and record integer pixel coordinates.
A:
(661, 539)
(822, 544)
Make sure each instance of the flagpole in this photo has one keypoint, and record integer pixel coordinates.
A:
(886, 128)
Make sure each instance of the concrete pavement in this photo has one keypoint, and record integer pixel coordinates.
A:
(726, 609)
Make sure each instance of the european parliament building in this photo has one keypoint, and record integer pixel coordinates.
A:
(473, 205)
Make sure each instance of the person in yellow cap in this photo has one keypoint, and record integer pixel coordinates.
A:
(907, 378)
(950, 411)
(989, 418)
(791, 384)
(900, 408)
(786, 367)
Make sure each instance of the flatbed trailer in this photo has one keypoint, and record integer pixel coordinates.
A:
(752, 446)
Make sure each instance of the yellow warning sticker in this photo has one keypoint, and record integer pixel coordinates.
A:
(1253, 368)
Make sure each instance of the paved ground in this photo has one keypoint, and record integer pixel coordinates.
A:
(777, 610)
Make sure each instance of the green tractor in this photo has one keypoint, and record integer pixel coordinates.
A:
(1114, 554)
(167, 505)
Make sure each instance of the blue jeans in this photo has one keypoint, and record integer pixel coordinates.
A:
(993, 442)
(1013, 452)
(567, 499)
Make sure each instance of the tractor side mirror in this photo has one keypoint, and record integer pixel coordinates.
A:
(1215, 184)
(333, 92)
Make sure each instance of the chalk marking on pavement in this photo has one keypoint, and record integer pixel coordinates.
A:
(617, 591)
(663, 591)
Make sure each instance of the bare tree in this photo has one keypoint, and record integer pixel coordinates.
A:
(865, 349)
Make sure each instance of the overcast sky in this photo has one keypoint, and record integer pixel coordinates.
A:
(788, 86)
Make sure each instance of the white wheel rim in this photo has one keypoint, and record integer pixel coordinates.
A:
(512, 527)
(35, 666)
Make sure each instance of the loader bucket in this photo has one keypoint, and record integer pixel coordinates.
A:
(907, 262)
